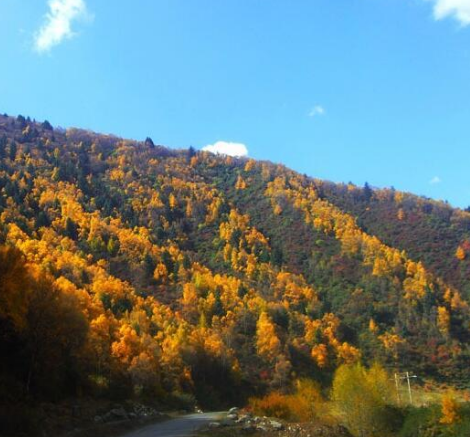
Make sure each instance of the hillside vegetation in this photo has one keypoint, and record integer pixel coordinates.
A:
(129, 269)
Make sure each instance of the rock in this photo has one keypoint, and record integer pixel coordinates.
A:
(98, 419)
(232, 416)
(261, 428)
(248, 428)
(144, 411)
(227, 422)
(116, 414)
(234, 410)
(119, 413)
(278, 426)
(214, 425)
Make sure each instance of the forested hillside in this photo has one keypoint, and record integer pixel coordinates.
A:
(129, 269)
(428, 230)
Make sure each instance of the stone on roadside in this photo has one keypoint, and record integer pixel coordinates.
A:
(119, 413)
(227, 422)
(278, 426)
(248, 428)
(214, 425)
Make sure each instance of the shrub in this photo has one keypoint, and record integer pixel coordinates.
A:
(363, 398)
(305, 404)
(274, 404)
(420, 421)
(450, 409)
(427, 422)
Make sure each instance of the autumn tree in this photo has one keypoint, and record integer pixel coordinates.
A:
(267, 341)
(450, 409)
(460, 253)
(362, 397)
(14, 286)
(44, 327)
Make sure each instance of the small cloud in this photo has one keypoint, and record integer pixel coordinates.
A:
(457, 9)
(435, 180)
(316, 110)
(227, 148)
(57, 24)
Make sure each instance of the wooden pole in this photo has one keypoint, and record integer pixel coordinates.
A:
(409, 386)
(398, 389)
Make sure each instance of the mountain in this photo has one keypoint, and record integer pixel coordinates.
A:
(130, 269)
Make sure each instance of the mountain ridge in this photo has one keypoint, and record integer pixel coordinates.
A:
(192, 274)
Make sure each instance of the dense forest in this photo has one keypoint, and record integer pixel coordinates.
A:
(129, 269)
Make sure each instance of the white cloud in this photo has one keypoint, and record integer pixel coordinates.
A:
(316, 110)
(457, 9)
(435, 180)
(227, 148)
(58, 23)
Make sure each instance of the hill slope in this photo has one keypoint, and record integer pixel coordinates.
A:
(128, 268)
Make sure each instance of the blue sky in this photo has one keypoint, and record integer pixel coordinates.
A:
(345, 90)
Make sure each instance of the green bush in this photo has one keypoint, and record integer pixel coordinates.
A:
(425, 422)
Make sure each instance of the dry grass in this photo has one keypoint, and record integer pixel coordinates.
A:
(429, 394)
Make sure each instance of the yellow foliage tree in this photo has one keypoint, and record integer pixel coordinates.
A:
(460, 253)
(443, 320)
(172, 201)
(450, 409)
(240, 184)
(373, 326)
(267, 341)
(161, 273)
(320, 355)
(361, 396)
(189, 302)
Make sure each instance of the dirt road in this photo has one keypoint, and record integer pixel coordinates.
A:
(184, 426)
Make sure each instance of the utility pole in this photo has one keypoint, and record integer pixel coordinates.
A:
(398, 388)
(408, 377)
(408, 381)
(409, 387)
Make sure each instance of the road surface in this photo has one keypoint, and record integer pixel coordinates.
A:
(182, 427)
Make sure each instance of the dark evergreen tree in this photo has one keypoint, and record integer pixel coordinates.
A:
(21, 121)
(367, 191)
(149, 143)
(71, 229)
(3, 145)
(13, 150)
(47, 126)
